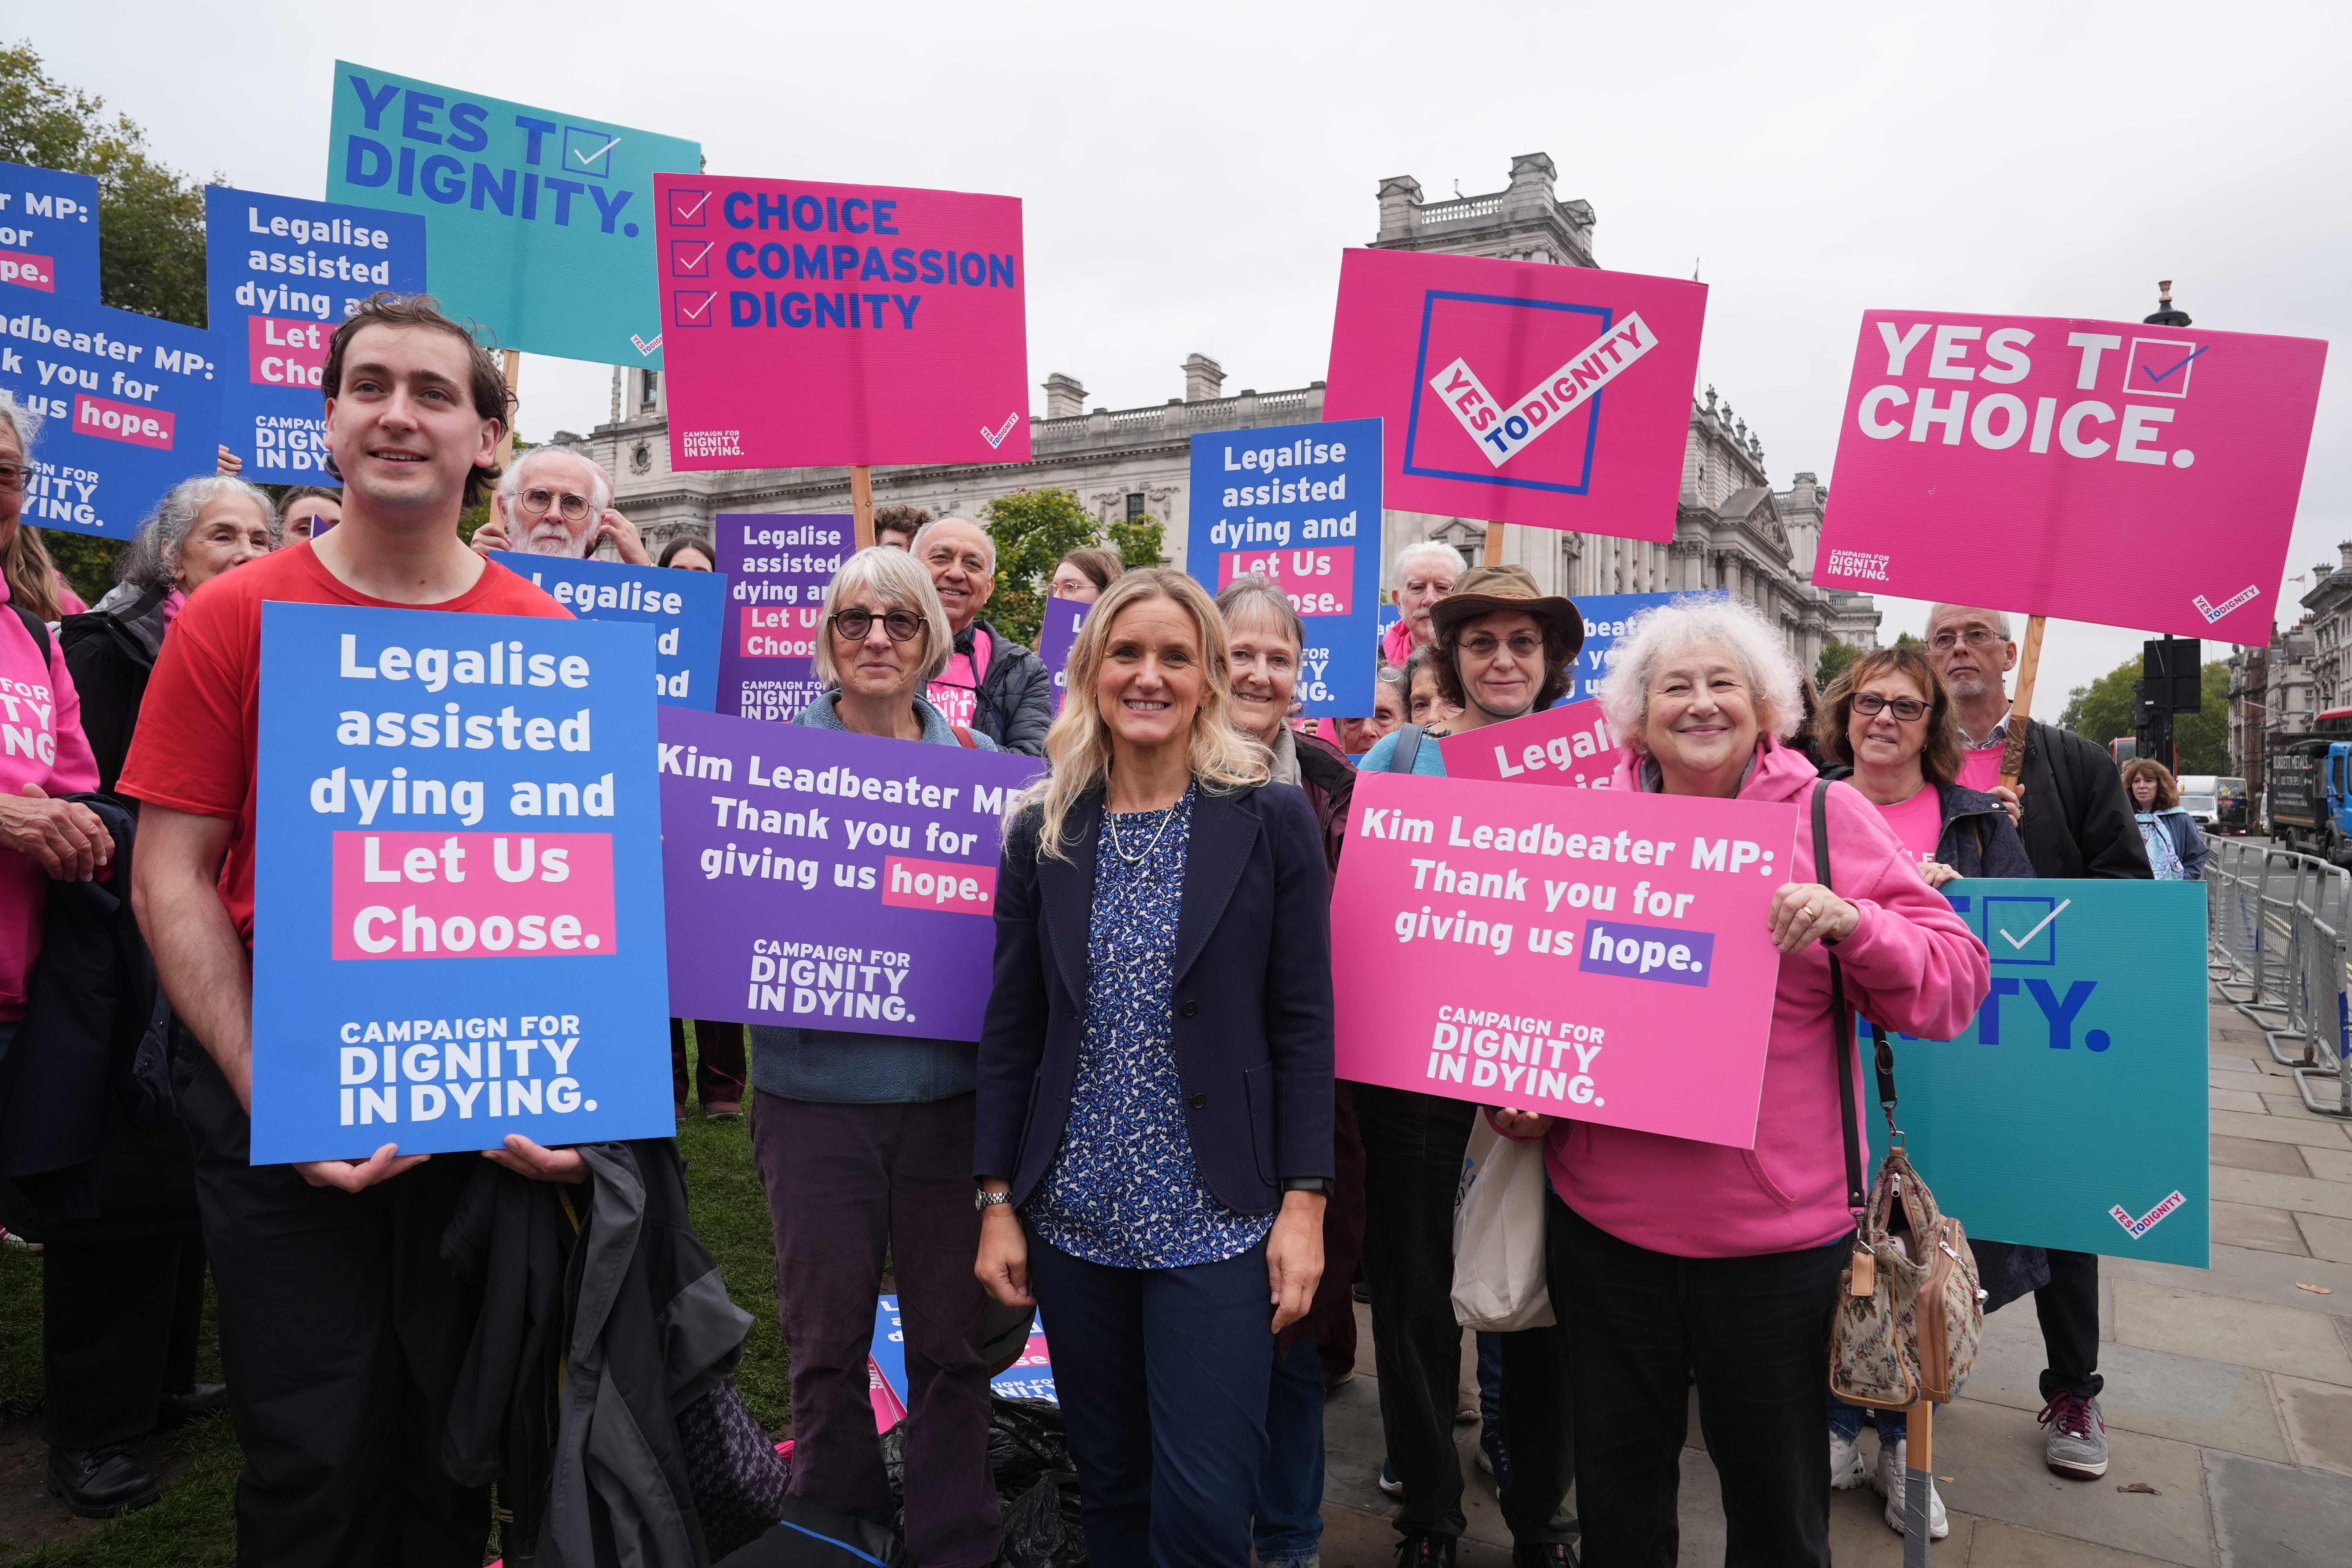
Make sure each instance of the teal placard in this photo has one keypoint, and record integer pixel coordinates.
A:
(2072, 1111)
(539, 222)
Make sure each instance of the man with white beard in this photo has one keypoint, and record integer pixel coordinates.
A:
(551, 501)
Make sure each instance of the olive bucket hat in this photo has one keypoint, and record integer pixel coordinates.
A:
(1485, 588)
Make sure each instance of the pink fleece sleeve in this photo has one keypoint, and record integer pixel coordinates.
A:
(1911, 965)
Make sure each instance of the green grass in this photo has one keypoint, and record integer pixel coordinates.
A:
(194, 1525)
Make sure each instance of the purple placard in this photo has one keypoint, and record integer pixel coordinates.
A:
(778, 567)
(827, 881)
(1058, 637)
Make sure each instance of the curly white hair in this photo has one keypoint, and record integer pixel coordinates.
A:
(1677, 628)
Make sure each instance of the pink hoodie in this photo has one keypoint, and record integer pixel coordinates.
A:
(1911, 965)
(41, 744)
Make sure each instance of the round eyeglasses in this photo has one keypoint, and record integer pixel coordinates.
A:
(901, 625)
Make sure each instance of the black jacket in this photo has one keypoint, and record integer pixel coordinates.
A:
(2076, 821)
(1249, 981)
(110, 656)
(1016, 706)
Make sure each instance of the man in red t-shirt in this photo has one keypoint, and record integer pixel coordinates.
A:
(342, 1332)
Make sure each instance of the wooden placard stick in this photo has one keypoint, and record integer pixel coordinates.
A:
(1494, 545)
(2020, 708)
(861, 502)
(514, 382)
(1919, 1465)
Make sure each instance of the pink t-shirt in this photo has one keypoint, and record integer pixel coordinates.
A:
(1919, 821)
(955, 692)
(44, 747)
(1981, 769)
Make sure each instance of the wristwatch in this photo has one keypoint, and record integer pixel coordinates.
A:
(1323, 1184)
(984, 1199)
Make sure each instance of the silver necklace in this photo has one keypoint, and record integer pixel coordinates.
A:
(1144, 854)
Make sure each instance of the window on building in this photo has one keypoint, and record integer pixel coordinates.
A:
(1134, 507)
(652, 388)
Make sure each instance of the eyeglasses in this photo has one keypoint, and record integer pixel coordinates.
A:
(903, 626)
(1908, 710)
(1482, 644)
(571, 505)
(12, 478)
(1975, 637)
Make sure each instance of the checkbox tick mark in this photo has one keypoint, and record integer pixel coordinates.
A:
(2020, 941)
(687, 215)
(588, 158)
(2160, 380)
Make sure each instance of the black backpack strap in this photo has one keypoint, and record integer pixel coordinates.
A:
(38, 627)
(1857, 1197)
(1408, 747)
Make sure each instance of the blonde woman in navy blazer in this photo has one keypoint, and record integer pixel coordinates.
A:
(1154, 1119)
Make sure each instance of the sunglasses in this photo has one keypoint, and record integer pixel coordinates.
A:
(1482, 644)
(902, 626)
(1908, 710)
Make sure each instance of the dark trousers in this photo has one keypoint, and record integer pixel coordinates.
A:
(119, 1322)
(341, 1332)
(2069, 1310)
(1413, 1145)
(1163, 1374)
(718, 1062)
(1754, 1332)
(848, 1186)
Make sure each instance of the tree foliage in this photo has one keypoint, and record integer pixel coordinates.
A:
(151, 231)
(1836, 658)
(1032, 531)
(2109, 706)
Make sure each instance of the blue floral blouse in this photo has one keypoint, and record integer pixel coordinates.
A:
(1123, 1190)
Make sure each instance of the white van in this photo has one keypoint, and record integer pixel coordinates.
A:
(2201, 797)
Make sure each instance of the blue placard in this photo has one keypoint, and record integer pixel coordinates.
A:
(542, 220)
(2072, 1111)
(131, 403)
(1301, 503)
(1057, 634)
(280, 274)
(777, 567)
(1608, 617)
(458, 928)
(48, 231)
(683, 607)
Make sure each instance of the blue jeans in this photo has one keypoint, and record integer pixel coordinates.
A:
(1163, 1375)
(1846, 1421)
(1289, 1526)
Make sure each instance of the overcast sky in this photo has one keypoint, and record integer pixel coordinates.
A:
(1189, 183)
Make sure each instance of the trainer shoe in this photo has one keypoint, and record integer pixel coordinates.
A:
(1426, 1550)
(1890, 1482)
(1389, 1483)
(1846, 1469)
(1494, 1457)
(2077, 1448)
(1543, 1554)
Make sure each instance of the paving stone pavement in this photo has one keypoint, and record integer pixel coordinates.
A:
(2229, 1390)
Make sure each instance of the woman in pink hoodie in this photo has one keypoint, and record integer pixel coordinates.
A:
(1673, 1260)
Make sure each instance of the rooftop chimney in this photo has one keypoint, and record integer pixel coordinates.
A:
(1065, 398)
(1204, 379)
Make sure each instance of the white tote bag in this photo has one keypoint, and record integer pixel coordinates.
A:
(1498, 1234)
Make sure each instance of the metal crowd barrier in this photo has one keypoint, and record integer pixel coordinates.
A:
(2277, 924)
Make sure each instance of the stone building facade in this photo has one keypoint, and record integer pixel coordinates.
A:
(1733, 529)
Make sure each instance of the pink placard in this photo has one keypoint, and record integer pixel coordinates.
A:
(1519, 392)
(1568, 745)
(810, 323)
(1594, 953)
(2135, 476)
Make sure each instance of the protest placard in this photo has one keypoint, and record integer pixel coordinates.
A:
(280, 274)
(1490, 376)
(826, 880)
(442, 959)
(1300, 504)
(685, 609)
(1608, 620)
(818, 323)
(540, 220)
(1986, 459)
(1567, 745)
(131, 403)
(2092, 1039)
(777, 567)
(1031, 1377)
(1595, 953)
(1056, 635)
(48, 231)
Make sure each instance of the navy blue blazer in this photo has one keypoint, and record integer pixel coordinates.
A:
(1250, 984)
